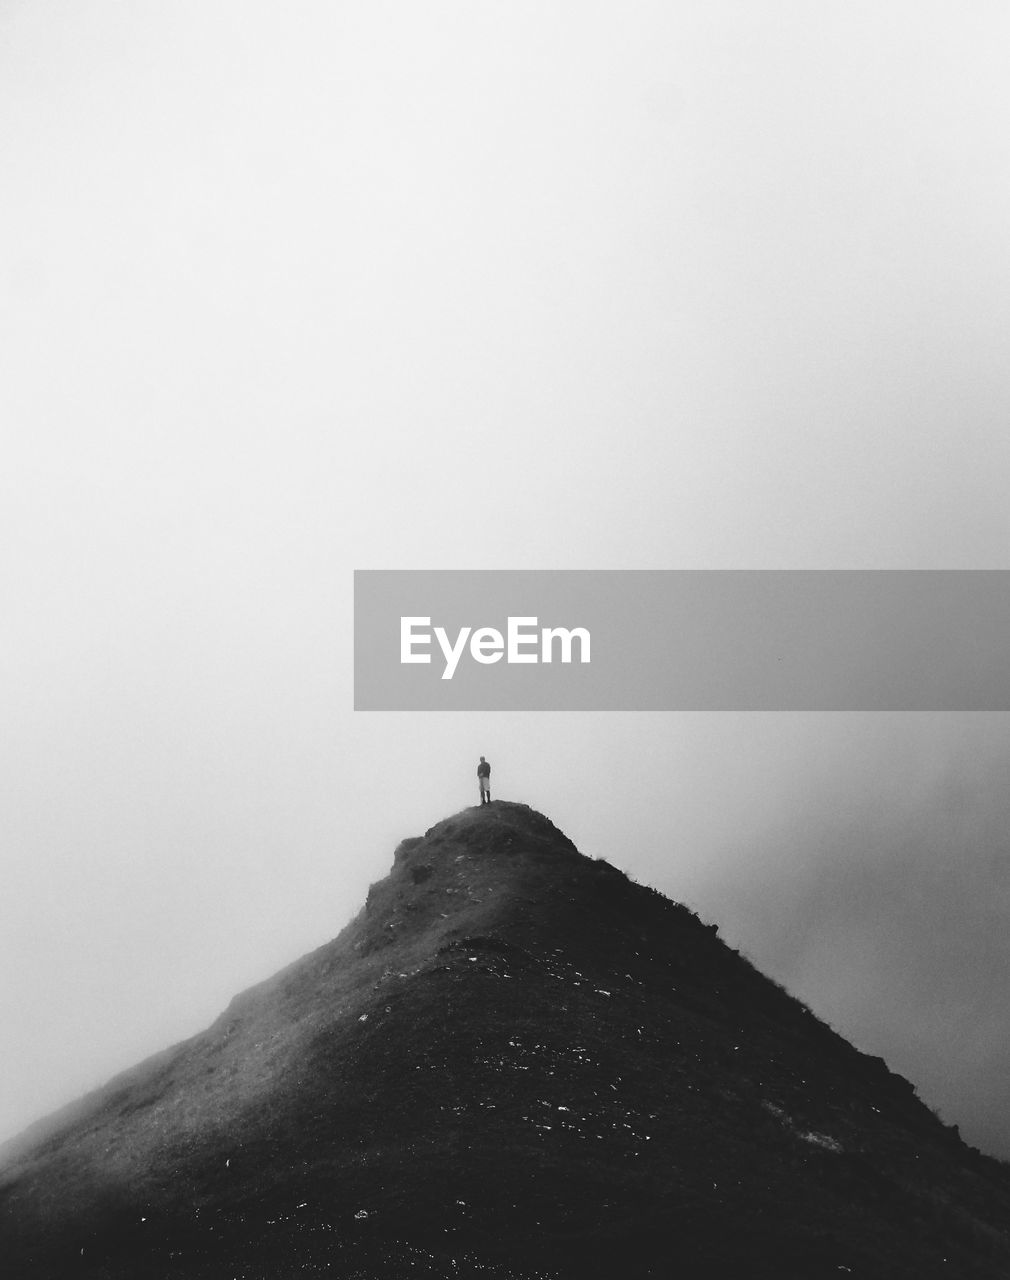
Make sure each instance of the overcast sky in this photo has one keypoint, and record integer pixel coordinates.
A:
(289, 290)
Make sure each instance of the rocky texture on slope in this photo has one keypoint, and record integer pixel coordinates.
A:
(514, 1062)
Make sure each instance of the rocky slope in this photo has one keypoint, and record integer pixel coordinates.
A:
(513, 1063)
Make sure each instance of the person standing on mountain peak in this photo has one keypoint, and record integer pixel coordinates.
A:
(484, 781)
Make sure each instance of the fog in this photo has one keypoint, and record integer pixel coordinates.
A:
(290, 292)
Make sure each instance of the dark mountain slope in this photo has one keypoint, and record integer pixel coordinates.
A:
(513, 1062)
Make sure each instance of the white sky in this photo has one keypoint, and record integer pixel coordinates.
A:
(289, 290)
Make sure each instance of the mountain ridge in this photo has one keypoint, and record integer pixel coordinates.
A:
(514, 1060)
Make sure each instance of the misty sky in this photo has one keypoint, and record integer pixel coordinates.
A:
(287, 291)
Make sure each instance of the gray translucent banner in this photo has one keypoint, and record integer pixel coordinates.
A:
(692, 640)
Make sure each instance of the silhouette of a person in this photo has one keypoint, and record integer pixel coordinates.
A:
(484, 781)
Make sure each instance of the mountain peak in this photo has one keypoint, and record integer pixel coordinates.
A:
(513, 1062)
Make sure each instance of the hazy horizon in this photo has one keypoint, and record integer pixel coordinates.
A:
(453, 286)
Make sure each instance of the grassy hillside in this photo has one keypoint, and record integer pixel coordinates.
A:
(514, 1062)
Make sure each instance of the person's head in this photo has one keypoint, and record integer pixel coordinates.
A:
(482, 759)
